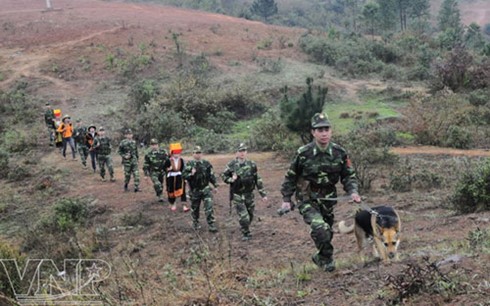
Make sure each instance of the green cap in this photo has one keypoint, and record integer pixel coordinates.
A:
(197, 149)
(319, 120)
(242, 147)
(153, 141)
(128, 132)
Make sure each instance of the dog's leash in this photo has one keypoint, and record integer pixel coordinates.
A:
(364, 206)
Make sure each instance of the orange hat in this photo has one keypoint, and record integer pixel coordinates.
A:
(175, 148)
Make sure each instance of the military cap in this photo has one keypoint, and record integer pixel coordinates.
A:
(101, 128)
(319, 120)
(128, 131)
(47, 104)
(79, 120)
(153, 141)
(242, 147)
(197, 149)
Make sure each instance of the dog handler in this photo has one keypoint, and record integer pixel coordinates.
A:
(312, 176)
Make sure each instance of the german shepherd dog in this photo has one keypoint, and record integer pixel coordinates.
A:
(383, 225)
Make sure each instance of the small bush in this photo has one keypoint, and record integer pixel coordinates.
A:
(210, 141)
(16, 141)
(270, 133)
(459, 137)
(4, 163)
(472, 192)
(419, 278)
(18, 173)
(69, 213)
(479, 97)
(401, 178)
(7, 252)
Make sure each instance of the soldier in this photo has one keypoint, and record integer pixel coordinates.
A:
(199, 174)
(102, 146)
(66, 130)
(89, 142)
(80, 141)
(128, 149)
(242, 176)
(49, 119)
(153, 167)
(313, 173)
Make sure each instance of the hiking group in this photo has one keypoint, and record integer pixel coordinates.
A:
(312, 176)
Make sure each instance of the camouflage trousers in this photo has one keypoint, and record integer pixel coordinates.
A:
(51, 134)
(320, 218)
(157, 179)
(103, 161)
(245, 206)
(83, 151)
(131, 167)
(206, 197)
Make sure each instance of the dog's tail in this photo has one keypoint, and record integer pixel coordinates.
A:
(345, 229)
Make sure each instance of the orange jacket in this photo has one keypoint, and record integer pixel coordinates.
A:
(66, 130)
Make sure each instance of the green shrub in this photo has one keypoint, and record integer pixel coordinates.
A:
(320, 50)
(368, 150)
(479, 97)
(16, 141)
(472, 192)
(8, 252)
(270, 133)
(142, 92)
(401, 177)
(459, 137)
(69, 213)
(18, 172)
(4, 163)
(210, 141)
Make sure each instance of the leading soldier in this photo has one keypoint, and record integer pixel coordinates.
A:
(128, 149)
(199, 173)
(313, 173)
(153, 167)
(243, 178)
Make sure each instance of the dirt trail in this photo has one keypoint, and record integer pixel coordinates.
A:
(428, 150)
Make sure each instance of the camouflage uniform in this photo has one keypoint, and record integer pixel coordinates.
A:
(103, 147)
(153, 167)
(128, 149)
(312, 176)
(200, 190)
(49, 120)
(241, 190)
(81, 143)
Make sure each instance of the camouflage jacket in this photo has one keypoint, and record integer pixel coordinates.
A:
(313, 173)
(154, 161)
(128, 150)
(202, 177)
(247, 180)
(49, 117)
(79, 134)
(102, 145)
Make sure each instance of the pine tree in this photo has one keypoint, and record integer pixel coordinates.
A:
(264, 8)
(449, 16)
(297, 114)
(450, 24)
